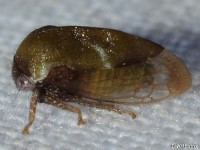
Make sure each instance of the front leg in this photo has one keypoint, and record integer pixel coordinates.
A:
(37, 96)
(32, 110)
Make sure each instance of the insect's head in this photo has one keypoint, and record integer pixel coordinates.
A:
(21, 78)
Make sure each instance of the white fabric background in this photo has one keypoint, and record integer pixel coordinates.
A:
(174, 24)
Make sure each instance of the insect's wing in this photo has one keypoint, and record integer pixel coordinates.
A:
(158, 78)
(179, 78)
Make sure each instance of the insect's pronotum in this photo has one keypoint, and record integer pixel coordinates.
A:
(96, 67)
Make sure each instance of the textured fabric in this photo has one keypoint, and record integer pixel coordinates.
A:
(173, 24)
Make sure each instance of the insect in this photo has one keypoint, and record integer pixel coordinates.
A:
(95, 67)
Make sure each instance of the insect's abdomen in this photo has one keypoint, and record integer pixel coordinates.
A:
(112, 83)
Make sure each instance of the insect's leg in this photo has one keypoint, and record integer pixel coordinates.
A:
(101, 105)
(68, 107)
(32, 111)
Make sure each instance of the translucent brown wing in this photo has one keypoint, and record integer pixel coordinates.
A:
(156, 79)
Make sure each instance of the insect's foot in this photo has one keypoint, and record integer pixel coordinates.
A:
(25, 131)
(81, 121)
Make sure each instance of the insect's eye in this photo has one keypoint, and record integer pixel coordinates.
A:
(24, 83)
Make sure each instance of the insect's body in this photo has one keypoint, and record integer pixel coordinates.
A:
(102, 65)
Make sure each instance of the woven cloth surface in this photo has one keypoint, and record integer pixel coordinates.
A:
(175, 24)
